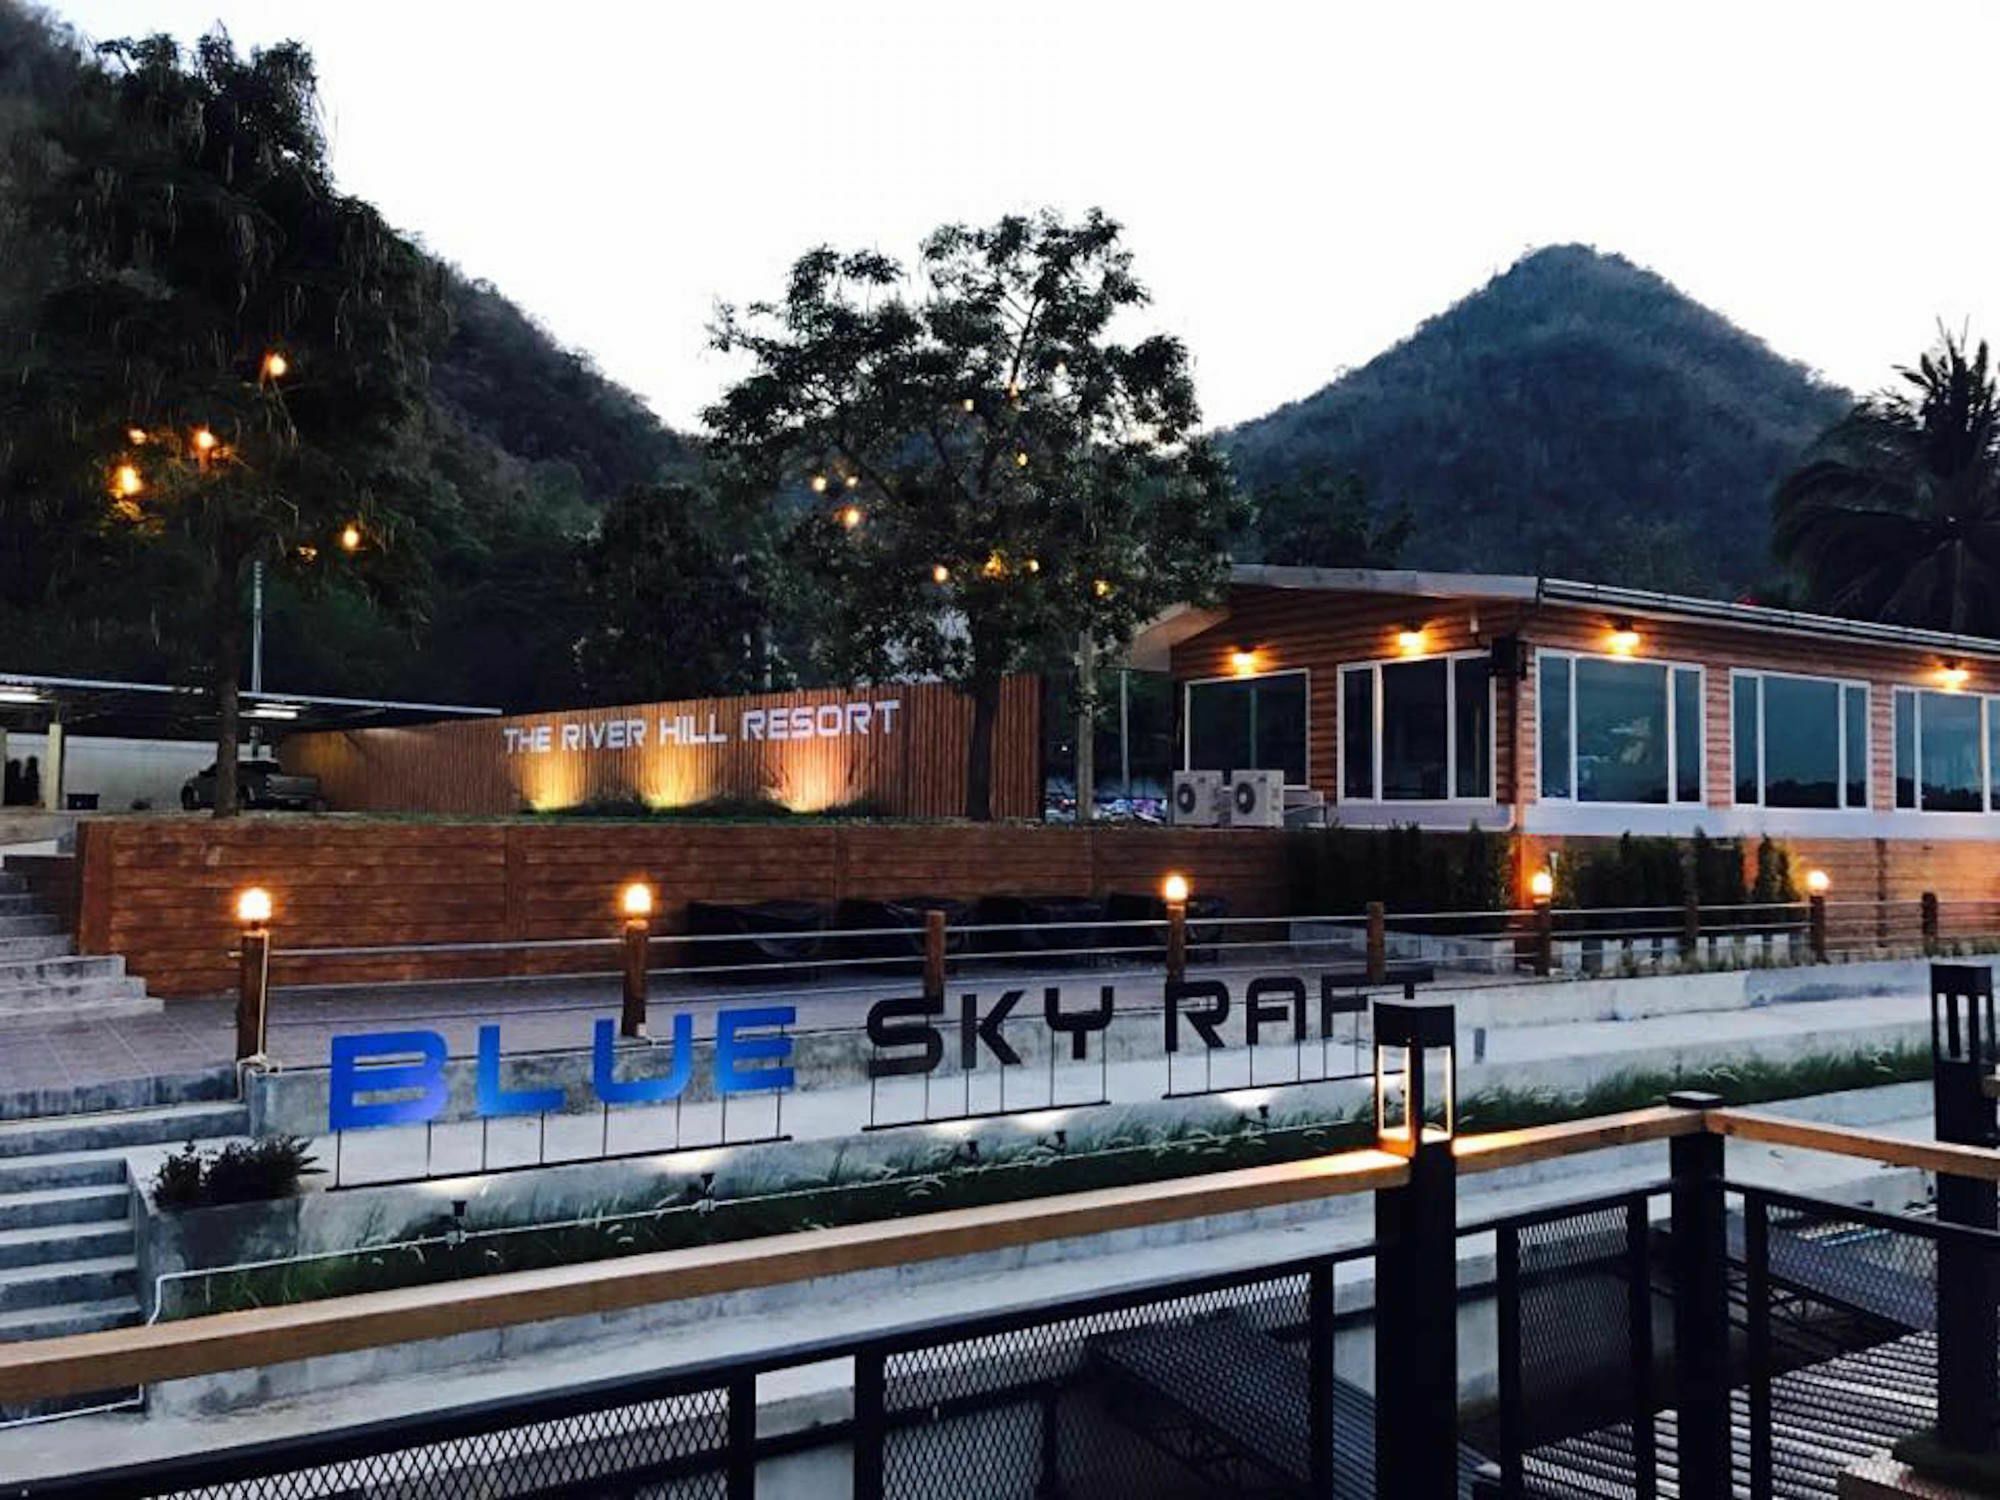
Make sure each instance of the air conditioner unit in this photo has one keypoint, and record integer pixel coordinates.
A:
(1256, 799)
(1197, 798)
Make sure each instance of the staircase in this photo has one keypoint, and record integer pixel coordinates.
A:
(67, 1258)
(41, 975)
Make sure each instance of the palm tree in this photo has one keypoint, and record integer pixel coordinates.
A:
(1895, 512)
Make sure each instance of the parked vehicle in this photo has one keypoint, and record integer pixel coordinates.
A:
(259, 783)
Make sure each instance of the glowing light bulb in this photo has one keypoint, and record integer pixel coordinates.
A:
(1102, 588)
(126, 481)
(853, 481)
(1818, 882)
(1033, 565)
(1623, 640)
(204, 440)
(275, 366)
(1175, 888)
(350, 538)
(850, 516)
(1243, 663)
(968, 403)
(994, 566)
(136, 436)
(1021, 460)
(819, 484)
(1953, 676)
(940, 574)
(1541, 885)
(1410, 640)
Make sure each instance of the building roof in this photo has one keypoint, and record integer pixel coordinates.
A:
(1154, 643)
(79, 699)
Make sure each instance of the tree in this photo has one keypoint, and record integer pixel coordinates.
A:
(226, 363)
(1895, 513)
(1329, 521)
(675, 596)
(984, 473)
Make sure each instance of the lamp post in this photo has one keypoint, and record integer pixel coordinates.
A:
(1542, 892)
(1817, 885)
(1174, 890)
(253, 972)
(636, 903)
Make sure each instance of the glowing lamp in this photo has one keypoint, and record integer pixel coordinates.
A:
(253, 906)
(350, 538)
(1021, 459)
(136, 436)
(850, 516)
(1623, 639)
(204, 440)
(853, 481)
(819, 484)
(1542, 885)
(1410, 1036)
(1953, 676)
(1175, 889)
(126, 481)
(1243, 663)
(968, 403)
(275, 366)
(1818, 883)
(1410, 640)
(940, 574)
(1032, 565)
(636, 900)
(1102, 588)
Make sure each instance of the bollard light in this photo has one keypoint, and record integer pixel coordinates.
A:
(1409, 1036)
(253, 906)
(636, 900)
(1174, 891)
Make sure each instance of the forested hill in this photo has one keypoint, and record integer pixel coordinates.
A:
(1577, 416)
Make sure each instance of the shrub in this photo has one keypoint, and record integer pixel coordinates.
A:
(240, 1172)
(1338, 870)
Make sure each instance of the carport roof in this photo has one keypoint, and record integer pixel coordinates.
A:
(81, 699)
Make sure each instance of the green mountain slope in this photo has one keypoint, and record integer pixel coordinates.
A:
(1577, 416)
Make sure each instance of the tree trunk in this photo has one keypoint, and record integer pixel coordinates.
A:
(1086, 728)
(228, 670)
(979, 752)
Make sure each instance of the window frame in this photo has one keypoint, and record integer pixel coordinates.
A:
(1373, 665)
(1758, 674)
(1672, 665)
(1187, 714)
(1989, 705)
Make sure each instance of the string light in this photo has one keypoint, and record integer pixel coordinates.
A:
(1032, 565)
(819, 484)
(1021, 459)
(126, 481)
(968, 403)
(995, 567)
(853, 481)
(850, 516)
(350, 538)
(940, 574)
(308, 554)
(275, 365)
(1102, 588)
(136, 436)
(204, 440)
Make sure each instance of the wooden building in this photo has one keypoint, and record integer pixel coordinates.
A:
(1560, 710)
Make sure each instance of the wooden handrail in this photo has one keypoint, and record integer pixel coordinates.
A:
(1845, 1140)
(1494, 1149)
(122, 1357)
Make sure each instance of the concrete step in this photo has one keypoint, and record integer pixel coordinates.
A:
(119, 1094)
(20, 904)
(15, 1021)
(33, 1174)
(55, 994)
(61, 968)
(48, 945)
(58, 1318)
(12, 883)
(62, 1244)
(93, 1279)
(134, 1127)
(29, 926)
(92, 1203)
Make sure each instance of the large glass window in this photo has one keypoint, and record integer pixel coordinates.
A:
(1620, 731)
(1432, 740)
(1800, 741)
(1249, 724)
(1941, 751)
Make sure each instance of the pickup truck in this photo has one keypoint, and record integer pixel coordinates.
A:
(259, 783)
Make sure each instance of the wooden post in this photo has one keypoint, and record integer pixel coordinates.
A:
(1690, 926)
(1816, 926)
(632, 1008)
(934, 955)
(253, 992)
(1176, 941)
(1545, 936)
(1378, 942)
(1930, 921)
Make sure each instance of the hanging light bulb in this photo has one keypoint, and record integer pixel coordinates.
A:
(819, 484)
(1102, 588)
(275, 366)
(940, 573)
(850, 516)
(968, 403)
(126, 481)
(1021, 459)
(204, 440)
(995, 566)
(350, 538)
(136, 436)
(853, 481)
(1032, 565)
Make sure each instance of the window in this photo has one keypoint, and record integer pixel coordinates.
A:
(1942, 761)
(1620, 731)
(1799, 741)
(1417, 730)
(1249, 724)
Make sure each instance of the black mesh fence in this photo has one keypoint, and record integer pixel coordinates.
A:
(1200, 1394)
(1575, 1314)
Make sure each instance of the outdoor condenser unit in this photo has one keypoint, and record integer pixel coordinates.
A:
(1257, 799)
(1197, 799)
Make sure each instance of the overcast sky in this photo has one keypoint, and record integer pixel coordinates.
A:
(1301, 183)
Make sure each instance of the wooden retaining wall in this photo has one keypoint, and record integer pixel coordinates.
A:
(901, 746)
(158, 890)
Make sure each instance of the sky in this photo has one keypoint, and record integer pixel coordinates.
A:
(1301, 184)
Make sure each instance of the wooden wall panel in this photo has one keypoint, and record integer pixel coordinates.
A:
(162, 888)
(916, 768)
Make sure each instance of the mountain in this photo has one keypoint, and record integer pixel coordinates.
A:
(1577, 416)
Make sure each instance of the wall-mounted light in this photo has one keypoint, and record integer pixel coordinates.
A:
(1243, 663)
(1623, 639)
(1953, 675)
(1410, 639)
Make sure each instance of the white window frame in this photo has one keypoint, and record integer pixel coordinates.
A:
(1989, 704)
(1758, 674)
(1673, 729)
(1374, 666)
(1187, 715)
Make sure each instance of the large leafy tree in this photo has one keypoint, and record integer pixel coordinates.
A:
(224, 362)
(1895, 513)
(987, 469)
